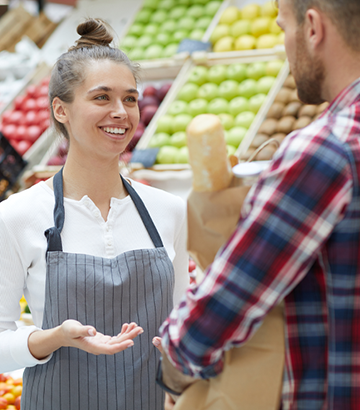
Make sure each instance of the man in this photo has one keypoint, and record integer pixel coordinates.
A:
(298, 238)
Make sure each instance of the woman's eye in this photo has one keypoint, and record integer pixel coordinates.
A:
(131, 99)
(101, 97)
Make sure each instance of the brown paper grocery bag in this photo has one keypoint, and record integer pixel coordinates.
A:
(252, 375)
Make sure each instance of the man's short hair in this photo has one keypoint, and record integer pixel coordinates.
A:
(345, 14)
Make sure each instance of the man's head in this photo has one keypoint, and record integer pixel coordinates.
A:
(311, 26)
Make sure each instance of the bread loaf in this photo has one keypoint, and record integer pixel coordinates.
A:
(207, 154)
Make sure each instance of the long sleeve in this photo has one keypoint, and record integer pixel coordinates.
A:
(287, 217)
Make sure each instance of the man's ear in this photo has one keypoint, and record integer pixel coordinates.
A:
(314, 28)
(59, 110)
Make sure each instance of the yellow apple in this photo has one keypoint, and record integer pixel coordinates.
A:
(240, 27)
(224, 44)
(274, 28)
(230, 15)
(260, 26)
(269, 9)
(221, 30)
(246, 42)
(267, 41)
(281, 38)
(250, 12)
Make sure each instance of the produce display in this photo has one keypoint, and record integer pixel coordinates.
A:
(234, 92)
(29, 118)
(149, 101)
(286, 114)
(10, 392)
(251, 27)
(161, 25)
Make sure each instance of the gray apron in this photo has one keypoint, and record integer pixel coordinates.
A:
(136, 286)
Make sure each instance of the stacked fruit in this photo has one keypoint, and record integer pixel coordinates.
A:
(10, 392)
(286, 114)
(234, 92)
(252, 27)
(161, 25)
(29, 118)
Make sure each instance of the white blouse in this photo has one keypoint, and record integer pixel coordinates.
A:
(26, 215)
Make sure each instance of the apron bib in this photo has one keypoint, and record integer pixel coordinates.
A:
(136, 286)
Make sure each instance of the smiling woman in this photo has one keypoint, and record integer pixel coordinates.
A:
(107, 272)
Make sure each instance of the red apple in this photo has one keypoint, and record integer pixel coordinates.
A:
(20, 133)
(30, 104)
(56, 160)
(22, 147)
(17, 402)
(6, 117)
(150, 90)
(32, 91)
(162, 91)
(135, 139)
(34, 132)
(16, 117)
(42, 103)
(19, 101)
(9, 130)
(63, 148)
(148, 100)
(147, 113)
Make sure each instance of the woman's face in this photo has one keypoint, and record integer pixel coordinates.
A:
(104, 114)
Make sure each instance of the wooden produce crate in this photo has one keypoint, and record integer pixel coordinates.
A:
(209, 60)
(40, 29)
(282, 114)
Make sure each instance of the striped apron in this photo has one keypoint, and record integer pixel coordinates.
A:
(136, 286)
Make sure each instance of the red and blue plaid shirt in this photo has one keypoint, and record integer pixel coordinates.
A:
(297, 240)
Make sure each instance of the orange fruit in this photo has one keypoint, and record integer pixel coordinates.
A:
(9, 397)
(16, 391)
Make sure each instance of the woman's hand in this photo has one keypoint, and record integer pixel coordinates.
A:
(72, 333)
(88, 339)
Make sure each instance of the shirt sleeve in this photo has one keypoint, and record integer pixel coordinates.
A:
(286, 218)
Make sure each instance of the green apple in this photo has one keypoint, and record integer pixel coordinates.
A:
(186, 23)
(230, 150)
(195, 11)
(136, 30)
(151, 29)
(203, 23)
(168, 26)
(230, 15)
(183, 156)
(185, 3)
(144, 41)
(178, 107)
(274, 27)
(264, 84)
(273, 67)
(269, 9)
(238, 105)
(220, 31)
(164, 124)
(179, 35)
(198, 75)
(197, 34)
(224, 44)
(209, 91)
(159, 16)
(198, 106)
(129, 42)
(177, 12)
(240, 28)
(159, 140)
(181, 121)
(137, 53)
(163, 39)
(245, 42)
(227, 120)
(170, 50)
(260, 26)
(267, 41)
(256, 102)
(256, 70)
(218, 106)
(178, 139)
(152, 4)
(237, 72)
(167, 4)
(235, 135)
(244, 119)
(167, 155)
(153, 51)
(247, 88)
(217, 73)
(188, 92)
(143, 16)
(228, 89)
(250, 11)
(212, 7)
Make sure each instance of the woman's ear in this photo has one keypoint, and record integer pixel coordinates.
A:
(59, 110)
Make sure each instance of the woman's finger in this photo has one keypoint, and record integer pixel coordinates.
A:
(157, 343)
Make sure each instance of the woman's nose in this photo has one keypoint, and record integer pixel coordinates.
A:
(119, 110)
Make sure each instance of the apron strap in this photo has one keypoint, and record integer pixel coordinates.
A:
(144, 214)
(53, 234)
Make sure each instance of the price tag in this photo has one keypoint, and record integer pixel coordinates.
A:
(146, 157)
(193, 45)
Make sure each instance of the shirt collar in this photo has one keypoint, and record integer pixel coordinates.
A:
(347, 97)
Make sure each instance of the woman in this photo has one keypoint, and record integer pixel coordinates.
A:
(111, 252)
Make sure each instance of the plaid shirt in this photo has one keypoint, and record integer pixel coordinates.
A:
(298, 240)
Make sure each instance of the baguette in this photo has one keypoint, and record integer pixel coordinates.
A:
(208, 154)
